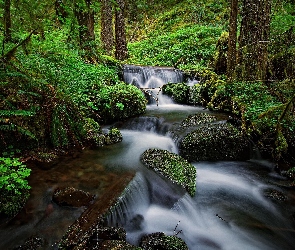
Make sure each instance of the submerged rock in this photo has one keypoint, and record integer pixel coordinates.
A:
(32, 243)
(82, 232)
(163, 242)
(70, 196)
(215, 142)
(171, 166)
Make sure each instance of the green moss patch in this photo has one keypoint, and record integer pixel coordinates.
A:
(171, 166)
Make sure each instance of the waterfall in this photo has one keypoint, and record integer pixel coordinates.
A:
(151, 79)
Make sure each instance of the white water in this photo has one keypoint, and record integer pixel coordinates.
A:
(229, 210)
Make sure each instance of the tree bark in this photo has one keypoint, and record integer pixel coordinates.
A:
(232, 40)
(107, 33)
(121, 43)
(7, 21)
(254, 35)
(85, 18)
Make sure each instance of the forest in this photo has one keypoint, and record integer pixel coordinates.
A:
(61, 74)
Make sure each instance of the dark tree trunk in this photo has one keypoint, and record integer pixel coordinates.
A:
(107, 33)
(232, 40)
(85, 18)
(7, 21)
(253, 40)
(121, 44)
(60, 11)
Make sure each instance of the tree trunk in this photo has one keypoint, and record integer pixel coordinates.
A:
(7, 21)
(253, 40)
(107, 33)
(85, 18)
(121, 44)
(232, 40)
(60, 11)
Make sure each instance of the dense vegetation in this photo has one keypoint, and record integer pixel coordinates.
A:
(59, 81)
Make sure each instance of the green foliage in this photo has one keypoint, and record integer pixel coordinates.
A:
(14, 187)
(178, 91)
(184, 48)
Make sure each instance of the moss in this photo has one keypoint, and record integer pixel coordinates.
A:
(213, 142)
(162, 241)
(197, 119)
(171, 166)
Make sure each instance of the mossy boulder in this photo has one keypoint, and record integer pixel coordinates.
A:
(179, 92)
(171, 166)
(197, 119)
(215, 142)
(162, 241)
(116, 245)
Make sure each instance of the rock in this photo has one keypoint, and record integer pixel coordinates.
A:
(114, 136)
(81, 233)
(160, 241)
(171, 166)
(70, 196)
(198, 119)
(215, 142)
(275, 195)
(116, 245)
(33, 243)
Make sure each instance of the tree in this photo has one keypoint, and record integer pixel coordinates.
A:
(254, 37)
(121, 43)
(7, 20)
(85, 17)
(107, 33)
(232, 40)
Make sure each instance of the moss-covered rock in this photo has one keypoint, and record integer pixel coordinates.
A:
(179, 92)
(215, 142)
(171, 166)
(116, 245)
(197, 119)
(162, 241)
(114, 136)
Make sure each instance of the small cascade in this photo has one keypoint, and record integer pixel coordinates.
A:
(151, 80)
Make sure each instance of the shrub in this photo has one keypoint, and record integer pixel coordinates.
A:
(13, 185)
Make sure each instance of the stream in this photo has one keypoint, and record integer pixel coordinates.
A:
(237, 205)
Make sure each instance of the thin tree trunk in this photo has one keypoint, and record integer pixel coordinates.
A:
(121, 44)
(7, 21)
(232, 40)
(107, 33)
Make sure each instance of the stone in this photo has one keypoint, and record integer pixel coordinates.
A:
(72, 197)
(160, 241)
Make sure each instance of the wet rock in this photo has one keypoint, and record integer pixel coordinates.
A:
(197, 119)
(81, 233)
(70, 196)
(215, 142)
(116, 245)
(33, 243)
(275, 195)
(171, 166)
(114, 136)
(161, 241)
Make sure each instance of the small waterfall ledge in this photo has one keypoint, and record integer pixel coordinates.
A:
(151, 79)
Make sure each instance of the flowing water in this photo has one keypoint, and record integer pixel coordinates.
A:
(233, 207)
